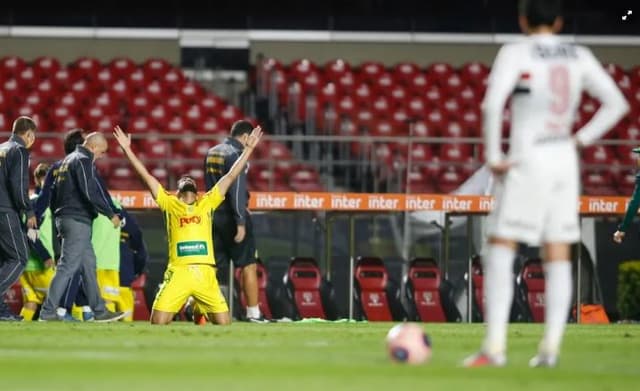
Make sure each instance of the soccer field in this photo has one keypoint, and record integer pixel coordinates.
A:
(299, 356)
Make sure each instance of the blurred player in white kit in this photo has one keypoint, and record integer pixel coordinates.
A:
(538, 181)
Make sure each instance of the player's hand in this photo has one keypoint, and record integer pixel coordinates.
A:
(33, 234)
(32, 222)
(618, 236)
(240, 233)
(116, 221)
(254, 137)
(48, 264)
(500, 168)
(122, 138)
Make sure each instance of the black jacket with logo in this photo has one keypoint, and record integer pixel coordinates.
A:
(77, 191)
(217, 164)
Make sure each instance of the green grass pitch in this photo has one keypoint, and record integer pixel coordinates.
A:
(299, 356)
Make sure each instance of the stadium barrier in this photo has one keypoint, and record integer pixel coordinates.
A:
(353, 204)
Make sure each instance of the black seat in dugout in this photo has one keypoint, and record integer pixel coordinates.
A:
(309, 292)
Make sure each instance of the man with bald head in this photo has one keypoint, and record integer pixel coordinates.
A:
(75, 202)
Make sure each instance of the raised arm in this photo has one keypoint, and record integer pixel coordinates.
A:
(125, 143)
(226, 181)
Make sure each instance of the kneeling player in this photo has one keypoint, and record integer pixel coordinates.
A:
(191, 268)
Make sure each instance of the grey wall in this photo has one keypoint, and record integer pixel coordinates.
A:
(69, 49)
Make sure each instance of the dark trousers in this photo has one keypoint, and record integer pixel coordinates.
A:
(13, 250)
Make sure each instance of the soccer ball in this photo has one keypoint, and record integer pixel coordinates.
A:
(408, 343)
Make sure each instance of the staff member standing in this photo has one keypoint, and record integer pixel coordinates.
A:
(75, 204)
(14, 201)
(233, 238)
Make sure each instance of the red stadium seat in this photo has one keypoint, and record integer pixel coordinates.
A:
(399, 96)
(137, 81)
(84, 68)
(107, 103)
(139, 105)
(424, 286)
(211, 104)
(153, 147)
(13, 298)
(212, 125)
(34, 99)
(140, 307)
(156, 68)
(263, 280)
(346, 82)
(11, 66)
(159, 116)
(440, 71)
(309, 292)
(173, 80)
(45, 66)
(121, 68)
(405, 72)
(120, 91)
(371, 71)
(335, 69)
(417, 107)
(473, 73)
(626, 182)
(598, 182)
(449, 179)
(372, 284)
(531, 284)
(265, 179)
(381, 107)
(155, 92)
(384, 83)
(229, 115)
(305, 180)
(140, 124)
(300, 68)
(363, 94)
(598, 154)
(419, 183)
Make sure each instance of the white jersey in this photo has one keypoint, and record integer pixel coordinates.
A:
(545, 78)
(537, 200)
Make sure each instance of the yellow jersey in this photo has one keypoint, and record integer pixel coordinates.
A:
(189, 227)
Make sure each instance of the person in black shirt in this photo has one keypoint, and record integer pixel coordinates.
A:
(14, 205)
(233, 238)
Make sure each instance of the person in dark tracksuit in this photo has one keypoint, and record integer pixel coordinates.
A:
(14, 205)
(632, 208)
(233, 238)
(74, 293)
(75, 203)
(133, 259)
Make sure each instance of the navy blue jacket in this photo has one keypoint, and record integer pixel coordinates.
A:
(217, 164)
(133, 252)
(77, 191)
(48, 188)
(14, 177)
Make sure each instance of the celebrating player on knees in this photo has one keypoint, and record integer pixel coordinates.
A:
(191, 266)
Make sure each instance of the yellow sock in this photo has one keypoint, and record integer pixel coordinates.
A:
(110, 305)
(27, 314)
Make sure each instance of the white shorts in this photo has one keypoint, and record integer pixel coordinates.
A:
(537, 201)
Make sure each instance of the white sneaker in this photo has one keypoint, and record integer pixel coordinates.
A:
(543, 360)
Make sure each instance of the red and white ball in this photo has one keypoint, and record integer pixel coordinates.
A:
(408, 343)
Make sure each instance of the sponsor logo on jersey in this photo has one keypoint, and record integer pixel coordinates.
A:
(186, 249)
(189, 220)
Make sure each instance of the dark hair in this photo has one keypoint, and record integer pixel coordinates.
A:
(73, 138)
(540, 12)
(23, 124)
(241, 127)
(41, 170)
